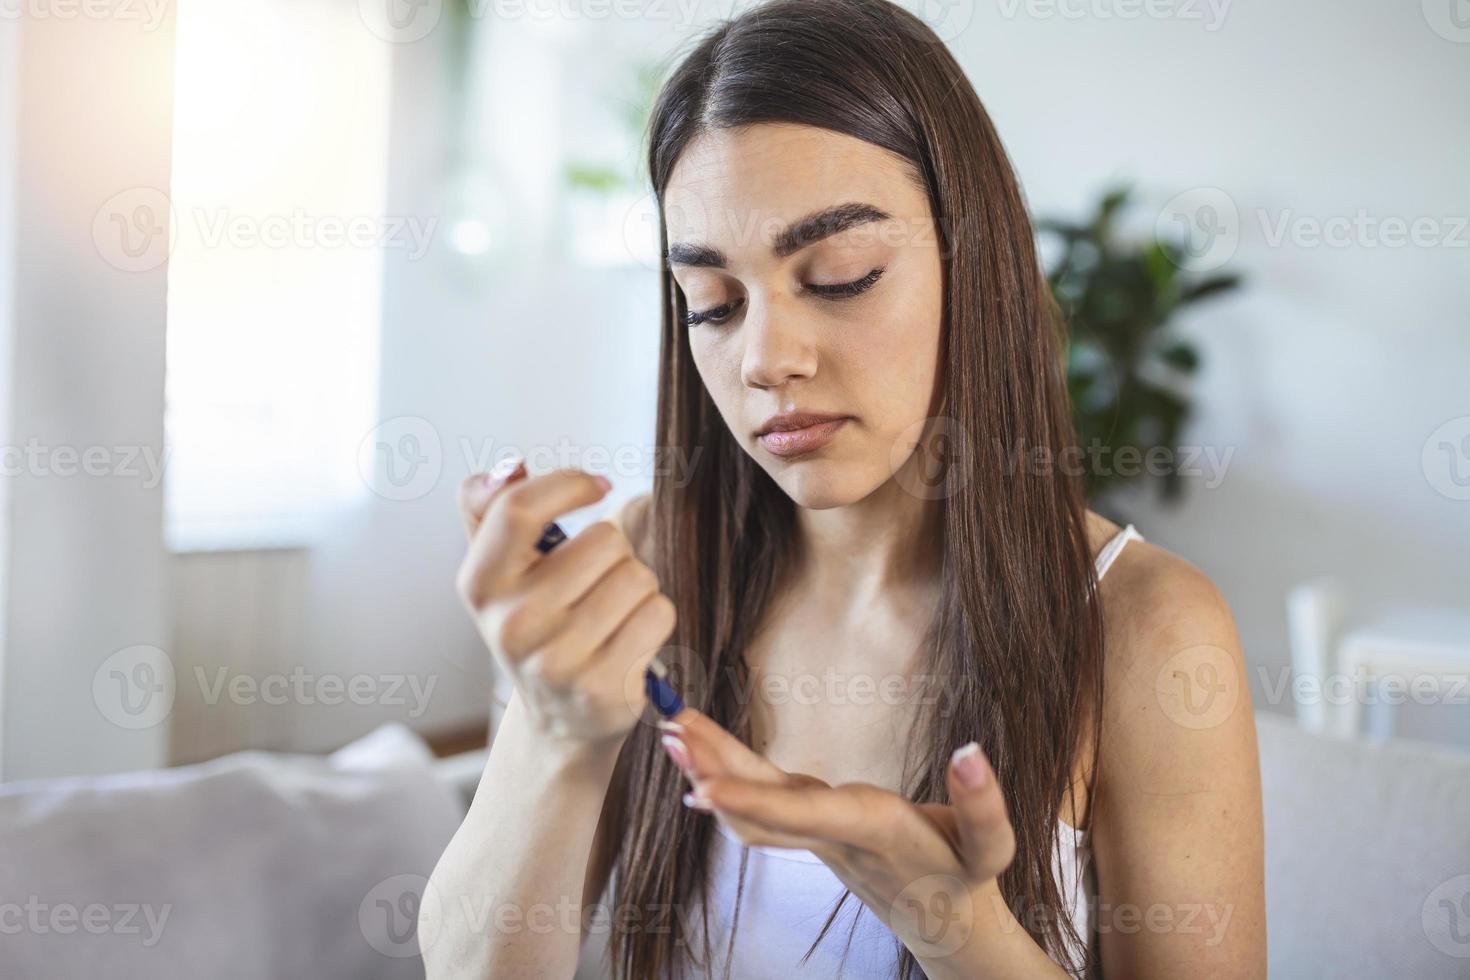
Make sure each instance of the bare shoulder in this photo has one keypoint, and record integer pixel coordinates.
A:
(632, 517)
(1157, 604)
(1178, 816)
(1176, 692)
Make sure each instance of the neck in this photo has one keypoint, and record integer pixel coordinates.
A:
(856, 556)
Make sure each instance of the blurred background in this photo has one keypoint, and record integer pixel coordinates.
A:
(275, 276)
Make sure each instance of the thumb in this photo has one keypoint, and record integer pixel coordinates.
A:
(987, 840)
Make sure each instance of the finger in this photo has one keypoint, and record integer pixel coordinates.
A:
(581, 631)
(568, 574)
(711, 751)
(504, 545)
(857, 814)
(988, 842)
(628, 652)
(479, 489)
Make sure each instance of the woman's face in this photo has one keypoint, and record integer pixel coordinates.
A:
(779, 338)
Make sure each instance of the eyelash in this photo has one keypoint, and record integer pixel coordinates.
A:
(843, 290)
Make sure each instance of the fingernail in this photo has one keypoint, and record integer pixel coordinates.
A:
(970, 766)
(502, 471)
(604, 482)
(696, 802)
(670, 726)
(676, 751)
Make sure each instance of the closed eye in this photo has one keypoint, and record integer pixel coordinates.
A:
(843, 290)
(848, 288)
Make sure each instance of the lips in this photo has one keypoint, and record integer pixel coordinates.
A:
(798, 441)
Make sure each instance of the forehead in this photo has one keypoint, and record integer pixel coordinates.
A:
(734, 189)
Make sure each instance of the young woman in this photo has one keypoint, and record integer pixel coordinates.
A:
(926, 732)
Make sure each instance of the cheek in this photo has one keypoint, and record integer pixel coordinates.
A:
(718, 365)
(893, 360)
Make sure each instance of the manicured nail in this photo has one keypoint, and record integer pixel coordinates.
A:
(502, 471)
(676, 751)
(696, 802)
(970, 765)
(670, 726)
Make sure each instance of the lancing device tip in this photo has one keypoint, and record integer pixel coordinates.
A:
(666, 700)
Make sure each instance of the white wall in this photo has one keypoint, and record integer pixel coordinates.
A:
(85, 355)
(1332, 368)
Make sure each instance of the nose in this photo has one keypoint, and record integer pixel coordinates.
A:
(777, 348)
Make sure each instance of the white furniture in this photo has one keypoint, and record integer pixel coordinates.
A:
(254, 866)
(1367, 668)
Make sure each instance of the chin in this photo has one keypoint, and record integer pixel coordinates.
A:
(820, 483)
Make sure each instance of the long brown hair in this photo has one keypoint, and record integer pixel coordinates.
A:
(1017, 631)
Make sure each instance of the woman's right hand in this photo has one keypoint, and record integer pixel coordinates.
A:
(574, 629)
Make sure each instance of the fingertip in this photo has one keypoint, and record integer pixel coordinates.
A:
(478, 488)
(970, 767)
(504, 471)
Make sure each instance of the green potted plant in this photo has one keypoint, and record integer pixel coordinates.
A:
(1128, 368)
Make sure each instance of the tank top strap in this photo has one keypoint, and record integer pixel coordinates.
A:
(1114, 547)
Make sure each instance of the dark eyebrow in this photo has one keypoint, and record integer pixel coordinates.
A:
(806, 231)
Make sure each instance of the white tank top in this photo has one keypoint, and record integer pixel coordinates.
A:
(789, 893)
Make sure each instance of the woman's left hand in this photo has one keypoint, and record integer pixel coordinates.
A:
(924, 869)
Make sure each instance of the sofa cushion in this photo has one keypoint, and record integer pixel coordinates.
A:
(1367, 856)
(253, 865)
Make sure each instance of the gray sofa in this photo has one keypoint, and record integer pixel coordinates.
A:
(261, 866)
